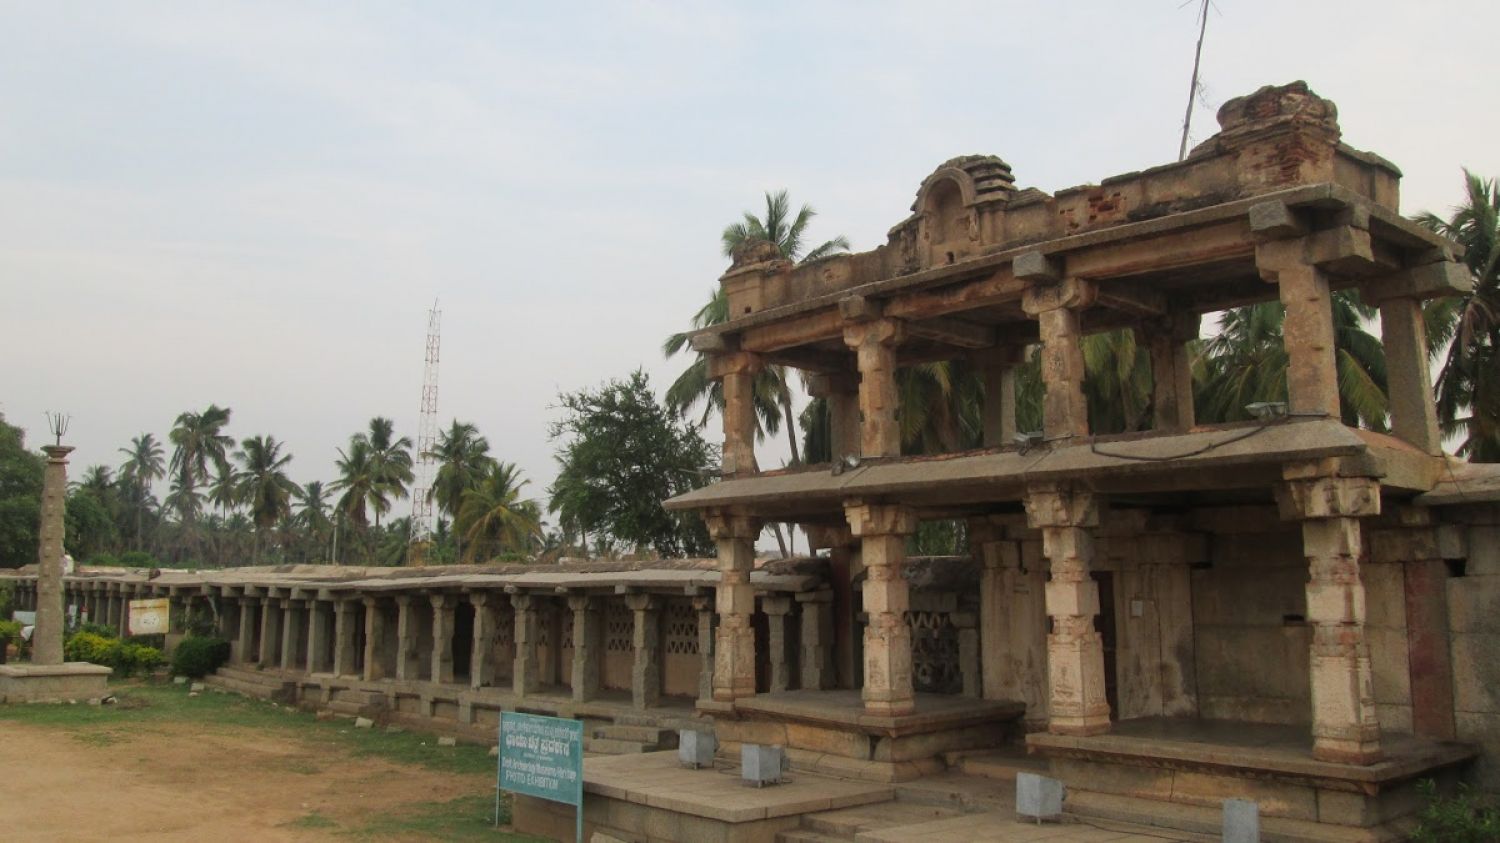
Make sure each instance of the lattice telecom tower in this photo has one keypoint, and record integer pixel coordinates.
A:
(421, 494)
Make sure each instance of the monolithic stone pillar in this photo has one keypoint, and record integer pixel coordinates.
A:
(1408, 378)
(645, 673)
(525, 676)
(968, 653)
(843, 560)
(998, 368)
(270, 632)
(882, 531)
(1075, 651)
(407, 662)
(1055, 304)
(704, 608)
(734, 649)
(841, 393)
(1171, 371)
(481, 655)
(293, 632)
(587, 644)
(47, 637)
(1344, 724)
(1307, 332)
(737, 371)
(815, 640)
(375, 625)
(776, 609)
(317, 636)
(249, 611)
(874, 343)
(344, 612)
(442, 637)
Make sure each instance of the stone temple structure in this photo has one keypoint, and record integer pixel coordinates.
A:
(1289, 610)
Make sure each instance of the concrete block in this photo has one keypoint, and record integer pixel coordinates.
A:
(1241, 821)
(447, 741)
(761, 765)
(1038, 797)
(363, 723)
(696, 749)
(196, 687)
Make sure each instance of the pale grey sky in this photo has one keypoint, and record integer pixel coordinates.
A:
(254, 204)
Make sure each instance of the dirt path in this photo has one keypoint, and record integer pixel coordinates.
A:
(190, 782)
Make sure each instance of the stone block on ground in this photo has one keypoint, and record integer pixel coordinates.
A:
(363, 723)
(447, 741)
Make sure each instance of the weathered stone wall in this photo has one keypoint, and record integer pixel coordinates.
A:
(1474, 624)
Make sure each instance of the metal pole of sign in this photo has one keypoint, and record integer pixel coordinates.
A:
(499, 749)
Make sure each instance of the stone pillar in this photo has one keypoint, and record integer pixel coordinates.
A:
(481, 655)
(1344, 725)
(737, 371)
(375, 624)
(1171, 371)
(1055, 306)
(815, 639)
(587, 644)
(734, 648)
(997, 366)
(705, 609)
(525, 678)
(249, 608)
(841, 392)
(1408, 378)
(344, 637)
(645, 673)
(776, 609)
(1075, 650)
(407, 662)
(442, 637)
(968, 653)
(874, 343)
(270, 632)
(317, 637)
(47, 637)
(293, 632)
(882, 531)
(1307, 332)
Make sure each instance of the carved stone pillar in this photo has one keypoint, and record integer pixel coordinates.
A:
(777, 608)
(51, 611)
(270, 631)
(249, 609)
(998, 368)
(375, 635)
(482, 655)
(734, 648)
(1344, 724)
(737, 371)
(968, 653)
(704, 607)
(525, 678)
(1171, 371)
(882, 531)
(645, 673)
(1307, 332)
(344, 611)
(1075, 651)
(407, 660)
(293, 632)
(1403, 332)
(874, 343)
(815, 671)
(442, 637)
(587, 646)
(317, 637)
(841, 392)
(1056, 305)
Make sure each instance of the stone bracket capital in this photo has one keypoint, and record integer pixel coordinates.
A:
(828, 535)
(880, 519)
(733, 363)
(1328, 497)
(875, 332)
(1058, 505)
(1070, 293)
(640, 602)
(828, 384)
(728, 525)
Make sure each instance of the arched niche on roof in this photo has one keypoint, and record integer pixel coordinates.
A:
(948, 204)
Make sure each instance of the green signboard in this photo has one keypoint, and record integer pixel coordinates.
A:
(542, 757)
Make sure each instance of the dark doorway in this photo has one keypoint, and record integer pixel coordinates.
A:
(1104, 624)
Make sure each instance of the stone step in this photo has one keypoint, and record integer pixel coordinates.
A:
(802, 835)
(1002, 764)
(664, 738)
(611, 746)
(847, 822)
(953, 789)
(1205, 823)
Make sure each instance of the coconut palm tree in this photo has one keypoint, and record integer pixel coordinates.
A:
(463, 458)
(358, 480)
(145, 463)
(391, 460)
(263, 484)
(199, 442)
(312, 514)
(495, 518)
(1468, 385)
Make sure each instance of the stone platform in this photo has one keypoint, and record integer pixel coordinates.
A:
(1195, 764)
(22, 683)
(829, 731)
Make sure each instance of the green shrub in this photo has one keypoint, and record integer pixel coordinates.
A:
(101, 560)
(7, 598)
(9, 631)
(199, 655)
(98, 629)
(1455, 819)
(138, 559)
(91, 647)
(138, 659)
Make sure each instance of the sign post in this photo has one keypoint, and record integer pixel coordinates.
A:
(541, 757)
(149, 617)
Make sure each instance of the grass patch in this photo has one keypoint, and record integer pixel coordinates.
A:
(313, 820)
(96, 738)
(465, 818)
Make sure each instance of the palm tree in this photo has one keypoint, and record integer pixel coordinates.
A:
(1468, 385)
(200, 441)
(391, 462)
(493, 516)
(312, 513)
(263, 483)
(463, 458)
(144, 464)
(358, 480)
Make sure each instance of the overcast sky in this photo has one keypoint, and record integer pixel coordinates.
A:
(255, 204)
